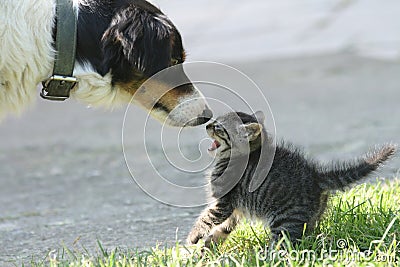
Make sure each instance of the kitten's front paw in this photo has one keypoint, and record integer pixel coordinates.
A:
(209, 240)
(215, 237)
(194, 238)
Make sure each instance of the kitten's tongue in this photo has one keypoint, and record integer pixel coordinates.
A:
(214, 145)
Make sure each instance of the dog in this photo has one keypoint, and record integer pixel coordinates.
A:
(120, 44)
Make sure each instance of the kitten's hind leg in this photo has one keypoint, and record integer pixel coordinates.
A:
(219, 233)
(212, 216)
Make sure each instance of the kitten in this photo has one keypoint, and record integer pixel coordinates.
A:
(294, 192)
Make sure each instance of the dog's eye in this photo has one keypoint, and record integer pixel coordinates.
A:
(174, 61)
(137, 73)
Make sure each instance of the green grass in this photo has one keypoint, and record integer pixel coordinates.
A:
(362, 227)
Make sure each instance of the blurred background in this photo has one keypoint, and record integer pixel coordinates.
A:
(330, 71)
(230, 30)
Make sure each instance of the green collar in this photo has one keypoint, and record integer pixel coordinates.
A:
(59, 85)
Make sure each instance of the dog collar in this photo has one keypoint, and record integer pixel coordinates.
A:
(61, 82)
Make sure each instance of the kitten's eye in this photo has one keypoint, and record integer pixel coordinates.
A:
(174, 61)
(218, 128)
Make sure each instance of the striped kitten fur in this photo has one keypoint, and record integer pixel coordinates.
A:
(295, 191)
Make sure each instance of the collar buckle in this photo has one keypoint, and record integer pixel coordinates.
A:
(59, 81)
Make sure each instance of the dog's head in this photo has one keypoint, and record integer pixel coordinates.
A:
(140, 42)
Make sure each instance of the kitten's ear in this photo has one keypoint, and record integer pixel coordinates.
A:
(259, 116)
(253, 130)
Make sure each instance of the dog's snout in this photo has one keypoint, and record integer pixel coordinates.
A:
(190, 110)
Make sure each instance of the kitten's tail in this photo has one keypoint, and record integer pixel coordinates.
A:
(342, 175)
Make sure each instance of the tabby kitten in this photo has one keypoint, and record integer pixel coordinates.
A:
(293, 193)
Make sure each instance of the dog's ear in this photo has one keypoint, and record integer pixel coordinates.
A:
(138, 39)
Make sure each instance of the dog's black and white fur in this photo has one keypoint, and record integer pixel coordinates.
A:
(120, 44)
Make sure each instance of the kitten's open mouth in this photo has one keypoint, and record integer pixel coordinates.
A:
(215, 144)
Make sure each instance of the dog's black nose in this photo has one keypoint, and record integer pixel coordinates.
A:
(207, 113)
(201, 119)
(204, 117)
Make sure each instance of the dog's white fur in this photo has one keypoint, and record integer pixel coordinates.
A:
(96, 90)
(27, 58)
(26, 51)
